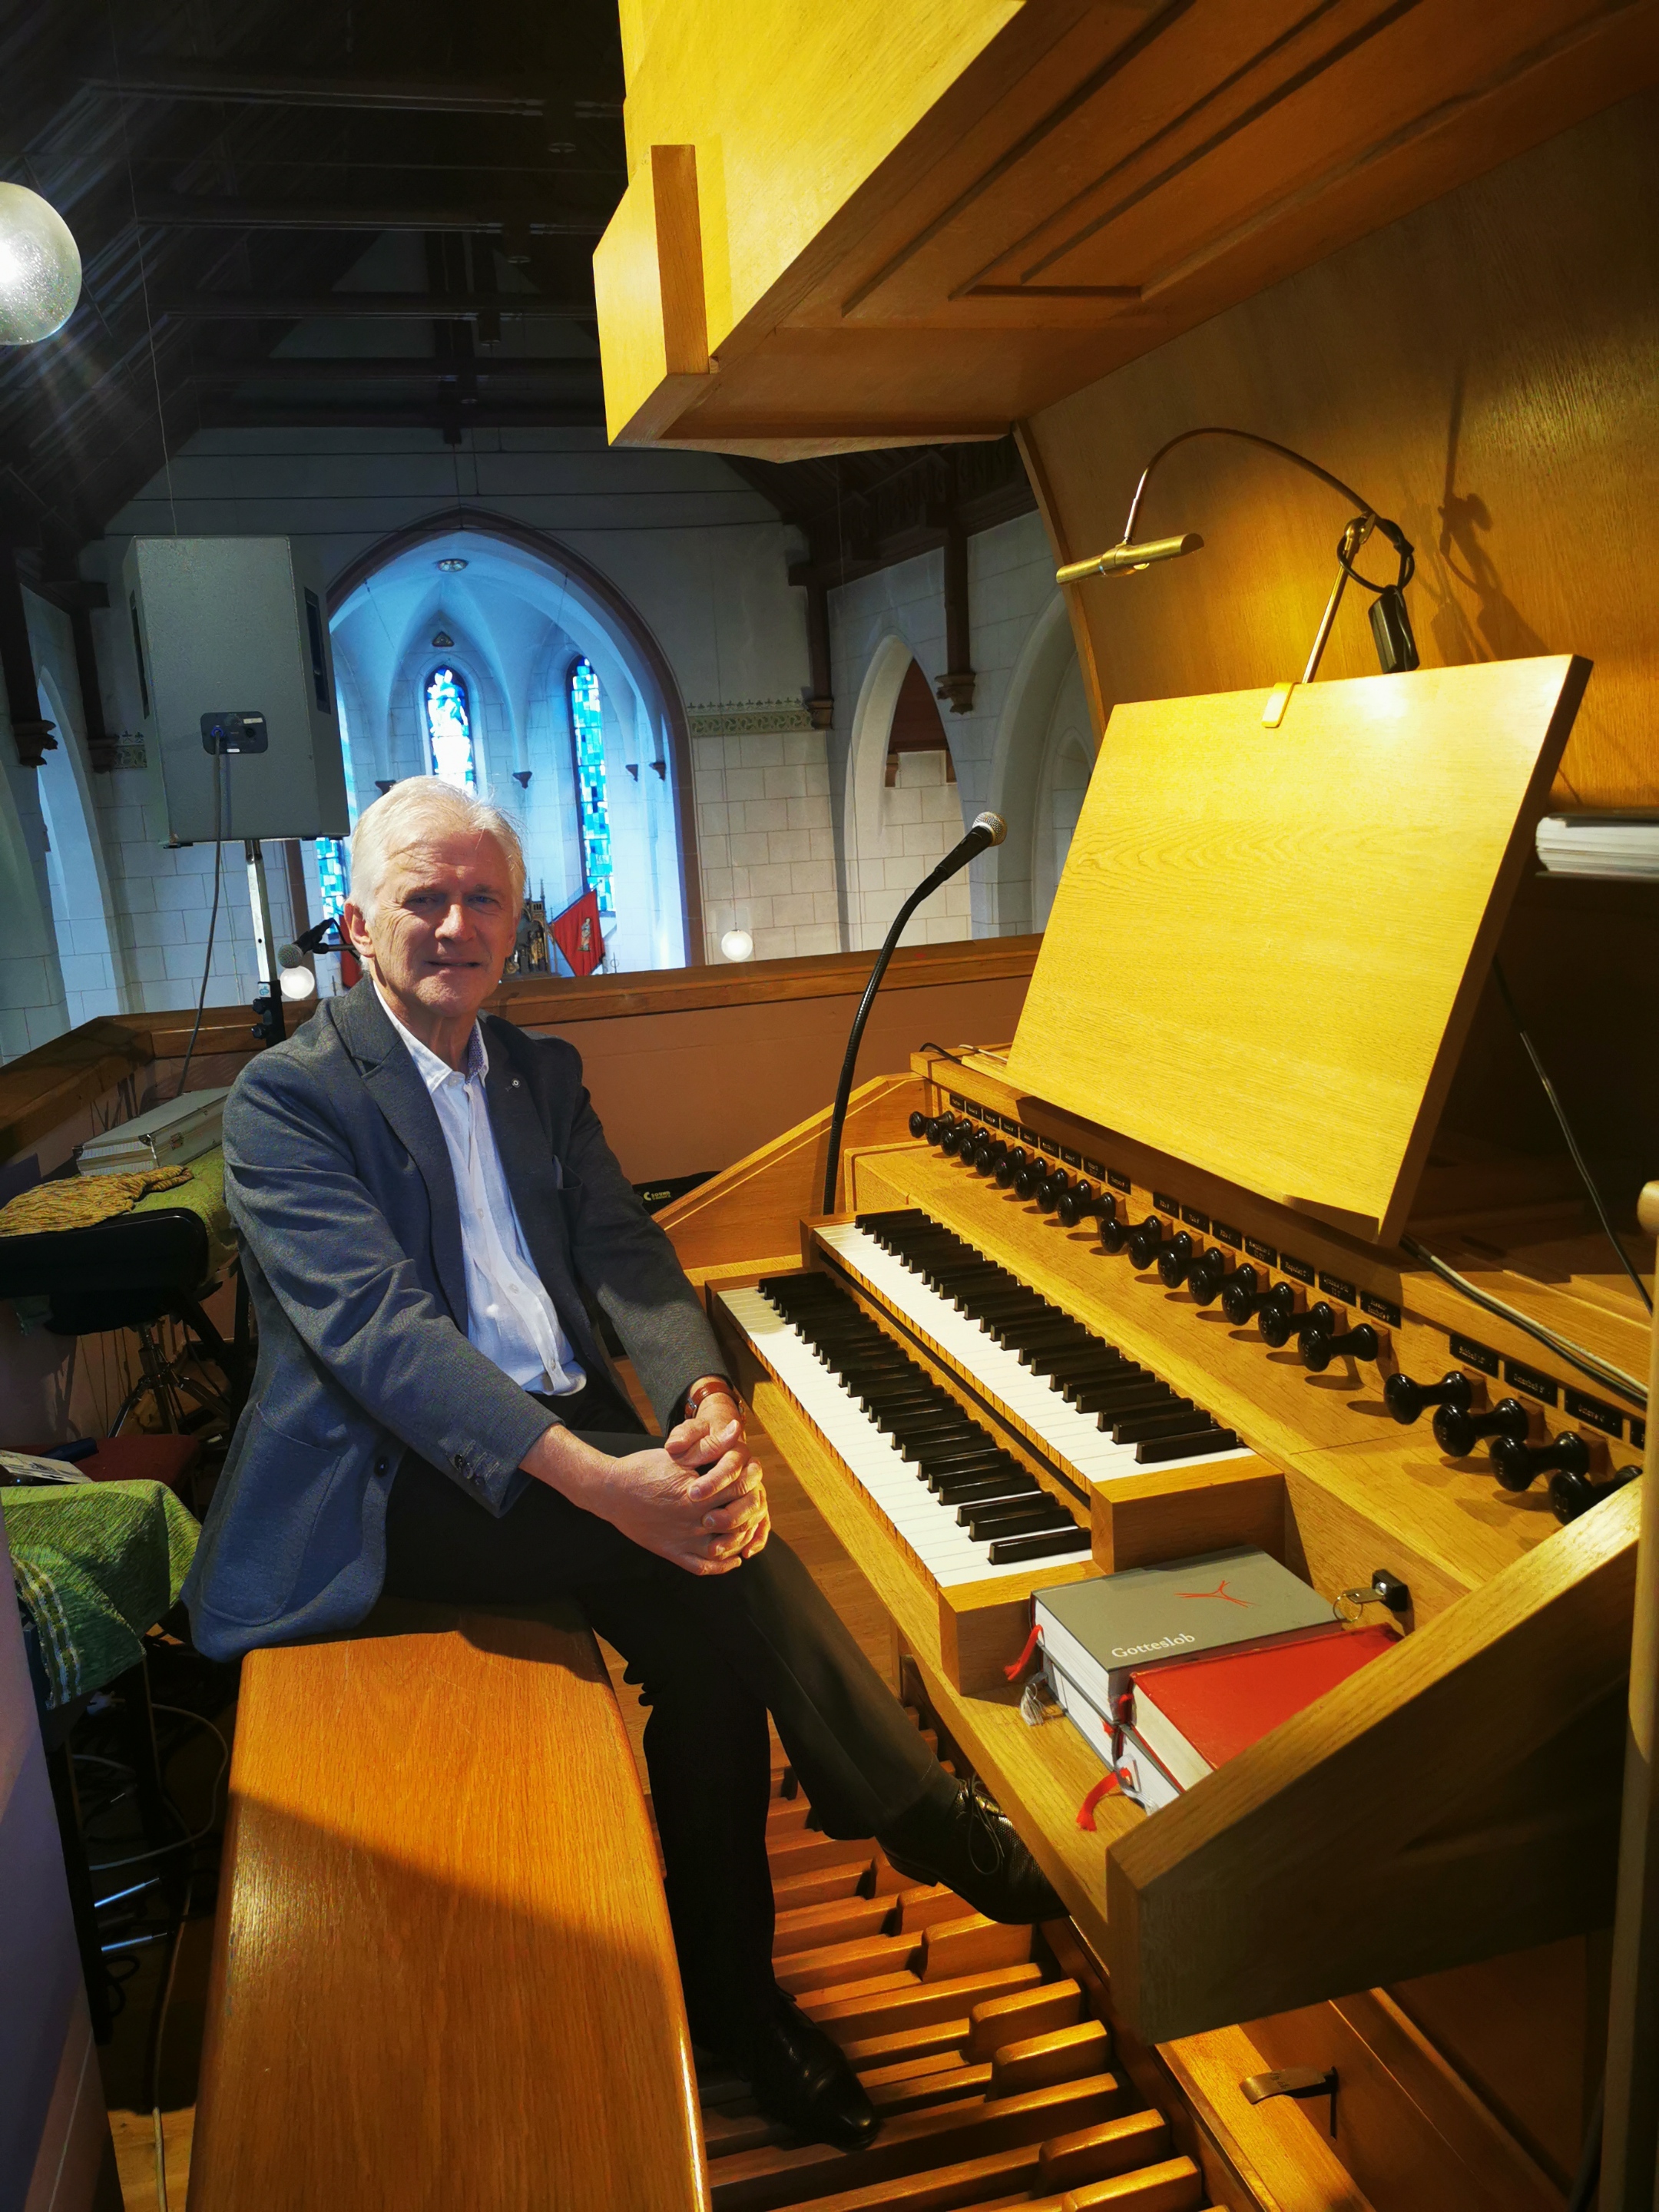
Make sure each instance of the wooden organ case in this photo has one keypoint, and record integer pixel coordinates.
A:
(1401, 239)
(1215, 1150)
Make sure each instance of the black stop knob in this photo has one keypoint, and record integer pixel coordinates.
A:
(1175, 1260)
(1572, 1494)
(1009, 1166)
(1077, 1203)
(1280, 1323)
(1321, 1346)
(1405, 1400)
(951, 1138)
(1145, 1240)
(1458, 1433)
(918, 1123)
(1116, 1234)
(1029, 1175)
(1240, 1299)
(1052, 1189)
(1517, 1466)
(986, 1153)
(1213, 1277)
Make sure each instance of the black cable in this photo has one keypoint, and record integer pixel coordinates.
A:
(1578, 1159)
(1589, 2160)
(1587, 1363)
(981, 835)
(213, 923)
(955, 1058)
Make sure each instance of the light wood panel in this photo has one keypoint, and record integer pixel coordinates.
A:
(925, 222)
(750, 1214)
(443, 1971)
(1479, 369)
(1296, 965)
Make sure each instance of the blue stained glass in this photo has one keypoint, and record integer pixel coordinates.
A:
(449, 726)
(332, 873)
(587, 724)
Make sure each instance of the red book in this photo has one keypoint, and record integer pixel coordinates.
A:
(1194, 1714)
(578, 935)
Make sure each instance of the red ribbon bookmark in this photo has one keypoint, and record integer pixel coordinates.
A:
(1023, 1660)
(1085, 1811)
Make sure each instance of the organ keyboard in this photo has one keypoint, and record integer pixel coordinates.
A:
(1099, 1411)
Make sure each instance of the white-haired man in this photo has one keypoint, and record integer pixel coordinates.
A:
(432, 1224)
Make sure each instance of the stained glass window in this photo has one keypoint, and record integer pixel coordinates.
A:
(587, 732)
(449, 728)
(332, 871)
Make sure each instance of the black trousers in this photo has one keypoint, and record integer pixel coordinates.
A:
(711, 1656)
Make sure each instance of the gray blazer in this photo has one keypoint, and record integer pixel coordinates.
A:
(339, 1183)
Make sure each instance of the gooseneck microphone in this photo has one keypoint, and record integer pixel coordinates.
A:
(988, 829)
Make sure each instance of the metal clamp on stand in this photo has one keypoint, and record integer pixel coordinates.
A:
(1298, 2081)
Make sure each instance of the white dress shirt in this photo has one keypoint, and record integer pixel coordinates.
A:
(509, 1316)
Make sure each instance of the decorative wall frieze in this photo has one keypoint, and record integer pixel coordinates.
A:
(748, 718)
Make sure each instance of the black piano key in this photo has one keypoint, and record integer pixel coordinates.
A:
(1086, 1391)
(959, 1462)
(1110, 1406)
(962, 1489)
(985, 1524)
(1188, 1447)
(1164, 1421)
(1045, 1544)
(1097, 1374)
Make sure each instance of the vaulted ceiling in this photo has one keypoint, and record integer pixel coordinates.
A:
(342, 213)
(223, 167)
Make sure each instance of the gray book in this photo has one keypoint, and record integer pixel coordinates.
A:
(1096, 1633)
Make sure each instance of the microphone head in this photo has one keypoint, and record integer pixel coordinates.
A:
(993, 826)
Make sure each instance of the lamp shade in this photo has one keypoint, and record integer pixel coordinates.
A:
(40, 267)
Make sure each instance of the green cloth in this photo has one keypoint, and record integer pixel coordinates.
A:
(96, 1563)
(204, 1193)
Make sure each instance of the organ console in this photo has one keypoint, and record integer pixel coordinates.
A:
(1039, 1343)
(852, 227)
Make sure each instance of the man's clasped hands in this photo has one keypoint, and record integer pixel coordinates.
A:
(696, 1499)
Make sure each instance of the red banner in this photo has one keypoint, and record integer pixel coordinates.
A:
(577, 933)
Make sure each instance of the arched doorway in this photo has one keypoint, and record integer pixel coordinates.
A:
(509, 613)
(903, 805)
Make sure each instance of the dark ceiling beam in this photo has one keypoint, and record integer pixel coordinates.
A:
(581, 376)
(398, 306)
(502, 415)
(178, 80)
(186, 212)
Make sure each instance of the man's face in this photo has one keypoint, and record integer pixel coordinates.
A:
(444, 924)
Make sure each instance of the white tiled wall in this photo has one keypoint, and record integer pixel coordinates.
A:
(766, 846)
(1011, 590)
(921, 819)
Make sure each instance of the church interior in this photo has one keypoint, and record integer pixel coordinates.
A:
(1028, 624)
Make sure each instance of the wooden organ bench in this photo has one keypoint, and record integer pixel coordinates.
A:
(442, 1969)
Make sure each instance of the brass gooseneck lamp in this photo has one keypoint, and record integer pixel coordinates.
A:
(1391, 628)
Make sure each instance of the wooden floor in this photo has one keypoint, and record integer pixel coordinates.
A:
(793, 1518)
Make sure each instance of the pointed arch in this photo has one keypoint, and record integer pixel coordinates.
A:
(613, 610)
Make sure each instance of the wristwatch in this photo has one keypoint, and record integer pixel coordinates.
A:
(708, 1386)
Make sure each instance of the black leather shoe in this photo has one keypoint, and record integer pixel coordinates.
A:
(800, 2078)
(966, 1842)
